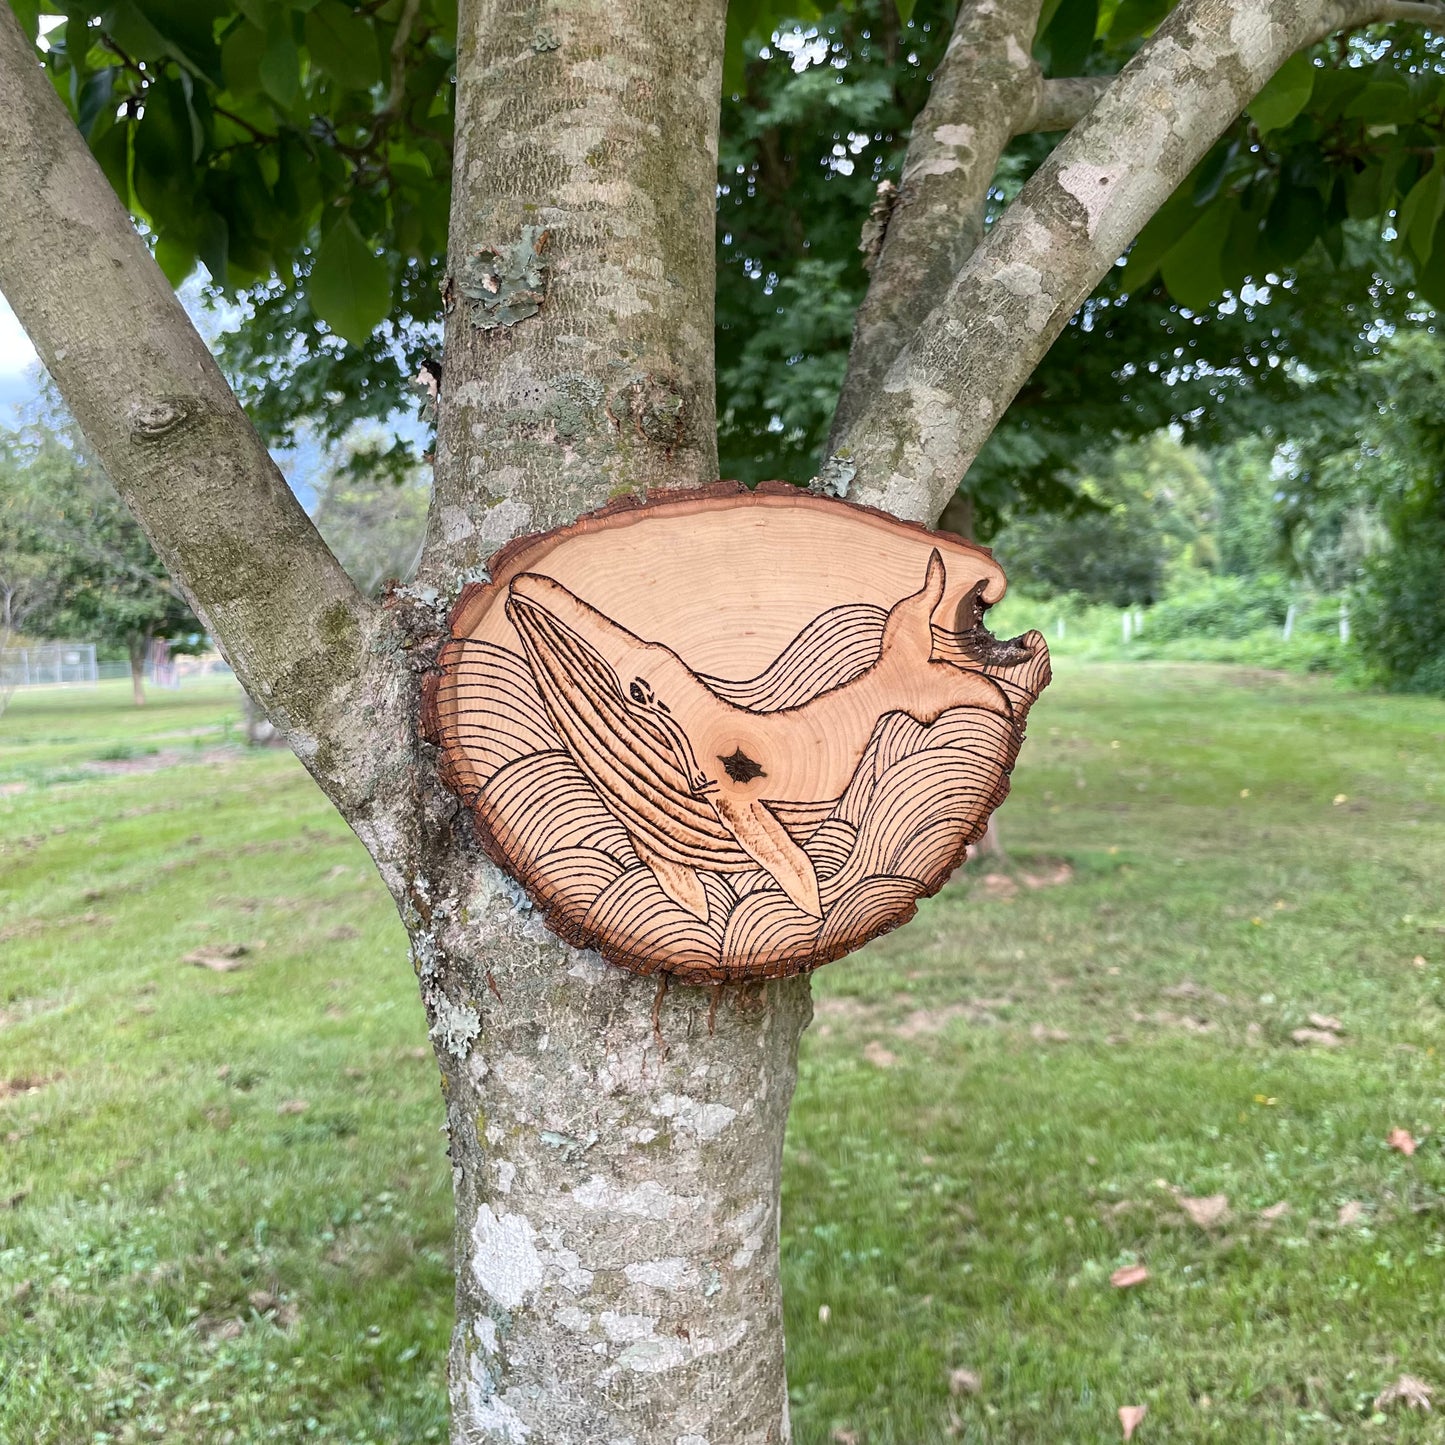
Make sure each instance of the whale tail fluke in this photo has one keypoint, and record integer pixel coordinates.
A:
(908, 633)
(770, 844)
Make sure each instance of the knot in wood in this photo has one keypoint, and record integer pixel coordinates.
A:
(159, 417)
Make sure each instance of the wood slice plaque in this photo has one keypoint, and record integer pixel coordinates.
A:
(723, 734)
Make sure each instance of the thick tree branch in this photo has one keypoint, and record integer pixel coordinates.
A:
(943, 395)
(1410, 12)
(1062, 104)
(172, 437)
(984, 92)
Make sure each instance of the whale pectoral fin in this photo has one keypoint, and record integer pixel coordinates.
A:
(677, 880)
(765, 840)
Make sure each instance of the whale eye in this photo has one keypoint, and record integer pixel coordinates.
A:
(640, 692)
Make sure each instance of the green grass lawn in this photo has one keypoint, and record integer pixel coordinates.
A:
(224, 1201)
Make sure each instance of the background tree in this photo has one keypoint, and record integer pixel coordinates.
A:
(28, 573)
(1142, 512)
(1364, 511)
(103, 580)
(622, 1283)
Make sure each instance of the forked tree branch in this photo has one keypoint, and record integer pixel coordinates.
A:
(984, 91)
(171, 435)
(944, 394)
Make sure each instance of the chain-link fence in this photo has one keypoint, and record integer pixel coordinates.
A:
(48, 663)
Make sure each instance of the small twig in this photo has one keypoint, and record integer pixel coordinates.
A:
(397, 91)
(717, 989)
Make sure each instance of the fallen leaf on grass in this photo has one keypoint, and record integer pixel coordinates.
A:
(1351, 1212)
(1205, 1212)
(225, 959)
(1317, 1036)
(824, 1314)
(1275, 1211)
(1324, 1021)
(1419, 960)
(292, 1106)
(1128, 1276)
(1403, 1140)
(878, 1056)
(963, 1382)
(1130, 1417)
(1408, 1391)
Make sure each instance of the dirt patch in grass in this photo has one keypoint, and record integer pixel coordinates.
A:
(165, 758)
(20, 1085)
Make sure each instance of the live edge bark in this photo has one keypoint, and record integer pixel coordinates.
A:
(616, 1185)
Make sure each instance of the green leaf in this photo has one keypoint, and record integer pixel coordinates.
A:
(343, 45)
(1287, 93)
(241, 53)
(213, 238)
(27, 12)
(1193, 267)
(112, 150)
(1138, 17)
(1418, 218)
(349, 287)
(1364, 193)
(95, 96)
(1296, 216)
(175, 258)
(189, 31)
(1070, 36)
(905, 10)
(1382, 102)
(280, 65)
(1176, 216)
(1430, 275)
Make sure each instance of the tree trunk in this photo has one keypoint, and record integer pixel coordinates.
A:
(138, 647)
(616, 1177)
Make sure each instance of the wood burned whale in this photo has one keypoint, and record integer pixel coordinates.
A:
(700, 782)
(729, 733)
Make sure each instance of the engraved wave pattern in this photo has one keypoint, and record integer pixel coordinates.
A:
(918, 796)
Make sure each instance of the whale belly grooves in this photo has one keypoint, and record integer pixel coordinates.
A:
(585, 753)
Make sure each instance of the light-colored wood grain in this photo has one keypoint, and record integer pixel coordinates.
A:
(726, 734)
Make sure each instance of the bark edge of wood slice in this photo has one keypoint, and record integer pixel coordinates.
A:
(724, 734)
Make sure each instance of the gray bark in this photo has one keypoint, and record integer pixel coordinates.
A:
(616, 1180)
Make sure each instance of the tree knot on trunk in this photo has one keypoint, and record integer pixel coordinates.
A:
(160, 416)
(652, 408)
(507, 284)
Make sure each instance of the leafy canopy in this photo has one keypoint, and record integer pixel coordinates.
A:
(300, 150)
